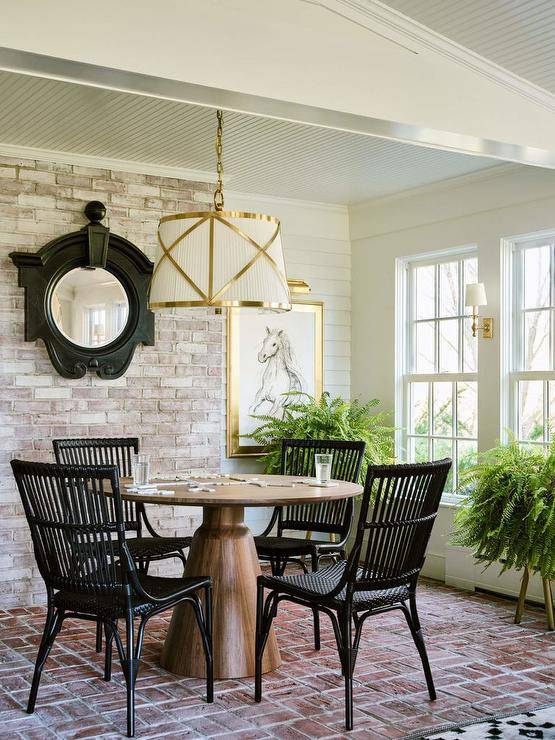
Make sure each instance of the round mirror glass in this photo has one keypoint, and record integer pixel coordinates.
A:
(90, 306)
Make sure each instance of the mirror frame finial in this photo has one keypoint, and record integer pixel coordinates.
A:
(99, 235)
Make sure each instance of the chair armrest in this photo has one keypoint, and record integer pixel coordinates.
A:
(148, 525)
(339, 545)
(352, 565)
(139, 589)
(271, 523)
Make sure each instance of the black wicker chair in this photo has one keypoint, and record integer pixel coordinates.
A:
(77, 526)
(398, 509)
(119, 451)
(333, 518)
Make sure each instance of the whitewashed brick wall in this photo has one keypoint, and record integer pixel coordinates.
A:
(171, 395)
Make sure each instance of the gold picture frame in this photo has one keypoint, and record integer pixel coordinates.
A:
(235, 408)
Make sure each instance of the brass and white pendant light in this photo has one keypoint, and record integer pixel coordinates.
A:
(220, 258)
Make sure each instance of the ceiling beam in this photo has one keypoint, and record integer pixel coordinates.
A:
(39, 65)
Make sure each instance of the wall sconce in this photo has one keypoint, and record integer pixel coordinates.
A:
(475, 295)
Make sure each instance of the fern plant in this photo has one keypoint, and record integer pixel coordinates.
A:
(305, 417)
(508, 512)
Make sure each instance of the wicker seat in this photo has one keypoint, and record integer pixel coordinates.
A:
(119, 451)
(157, 548)
(325, 581)
(398, 509)
(78, 534)
(280, 548)
(113, 606)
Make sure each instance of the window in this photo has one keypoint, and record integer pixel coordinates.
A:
(103, 322)
(531, 392)
(94, 329)
(437, 404)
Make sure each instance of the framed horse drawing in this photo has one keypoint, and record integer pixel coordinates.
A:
(269, 355)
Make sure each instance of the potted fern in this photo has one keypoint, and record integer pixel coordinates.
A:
(306, 417)
(508, 514)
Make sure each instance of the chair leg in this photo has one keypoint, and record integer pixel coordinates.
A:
(99, 637)
(315, 612)
(316, 615)
(51, 628)
(280, 566)
(359, 623)
(257, 641)
(204, 623)
(265, 612)
(130, 667)
(183, 558)
(108, 654)
(347, 662)
(209, 652)
(413, 622)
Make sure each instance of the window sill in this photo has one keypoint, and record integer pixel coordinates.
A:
(450, 502)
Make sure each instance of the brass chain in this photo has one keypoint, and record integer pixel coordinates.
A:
(219, 192)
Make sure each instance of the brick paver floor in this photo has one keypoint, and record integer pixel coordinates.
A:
(482, 664)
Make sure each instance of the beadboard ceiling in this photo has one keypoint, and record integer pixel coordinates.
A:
(261, 155)
(519, 35)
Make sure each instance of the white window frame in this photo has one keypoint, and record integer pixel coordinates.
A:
(88, 321)
(513, 335)
(404, 345)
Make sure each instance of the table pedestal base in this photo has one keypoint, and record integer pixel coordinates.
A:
(223, 548)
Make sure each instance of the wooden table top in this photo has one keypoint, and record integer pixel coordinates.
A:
(237, 493)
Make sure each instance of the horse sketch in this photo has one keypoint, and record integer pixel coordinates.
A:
(281, 374)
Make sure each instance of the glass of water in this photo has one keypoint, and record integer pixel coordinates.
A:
(141, 469)
(322, 463)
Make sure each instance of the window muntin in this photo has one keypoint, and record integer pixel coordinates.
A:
(440, 389)
(441, 342)
(532, 372)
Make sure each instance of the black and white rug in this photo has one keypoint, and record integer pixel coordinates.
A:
(539, 723)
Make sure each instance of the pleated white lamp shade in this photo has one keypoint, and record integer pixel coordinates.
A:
(220, 258)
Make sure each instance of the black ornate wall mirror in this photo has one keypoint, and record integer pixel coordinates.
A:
(86, 297)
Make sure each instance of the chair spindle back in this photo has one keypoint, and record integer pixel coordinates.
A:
(398, 510)
(75, 516)
(297, 458)
(117, 451)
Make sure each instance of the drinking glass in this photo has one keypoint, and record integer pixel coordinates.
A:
(322, 464)
(141, 469)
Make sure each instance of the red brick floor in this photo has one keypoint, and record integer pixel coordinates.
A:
(482, 664)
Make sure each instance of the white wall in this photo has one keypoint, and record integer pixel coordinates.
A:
(479, 210)
(317, 249)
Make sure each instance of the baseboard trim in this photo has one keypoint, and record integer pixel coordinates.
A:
(512, 596)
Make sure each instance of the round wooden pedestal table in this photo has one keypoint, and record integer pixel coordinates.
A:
(223, 548)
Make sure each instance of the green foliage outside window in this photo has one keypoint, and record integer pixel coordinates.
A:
(443, 419)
